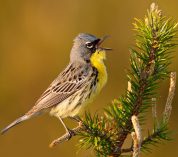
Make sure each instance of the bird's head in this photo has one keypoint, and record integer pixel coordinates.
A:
(87, 46)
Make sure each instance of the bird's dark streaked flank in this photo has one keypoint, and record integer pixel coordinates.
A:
(77, 85)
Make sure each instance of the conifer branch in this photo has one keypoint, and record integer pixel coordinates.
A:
(149, 61)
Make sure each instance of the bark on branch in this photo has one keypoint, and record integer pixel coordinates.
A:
(67, 136)
(136, 136)
(168, 106)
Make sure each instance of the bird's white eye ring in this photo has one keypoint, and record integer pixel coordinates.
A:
(89, 45)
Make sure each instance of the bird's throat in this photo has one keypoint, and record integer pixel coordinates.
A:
(97, 62)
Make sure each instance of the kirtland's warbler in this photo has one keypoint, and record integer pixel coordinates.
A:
(76, 85)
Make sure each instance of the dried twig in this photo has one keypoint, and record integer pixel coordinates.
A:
(168, 106)
(154, 111)
(136, 136)
(66, 136)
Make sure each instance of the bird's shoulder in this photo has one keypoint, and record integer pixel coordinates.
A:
(74, 72)
(74, 77)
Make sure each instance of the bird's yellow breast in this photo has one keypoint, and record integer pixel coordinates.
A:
(63, 109)
(97, 61)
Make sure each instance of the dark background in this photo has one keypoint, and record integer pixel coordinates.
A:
(35, 41)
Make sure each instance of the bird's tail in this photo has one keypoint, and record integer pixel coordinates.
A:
(17, 121)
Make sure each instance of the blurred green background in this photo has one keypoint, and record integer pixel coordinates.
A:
(35, 41)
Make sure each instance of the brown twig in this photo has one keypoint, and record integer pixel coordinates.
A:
(168, 106)
(154, 111)
(68, 136)
(136, 136)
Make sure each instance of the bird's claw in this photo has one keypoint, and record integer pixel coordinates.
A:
(76, 118)
(70, 134)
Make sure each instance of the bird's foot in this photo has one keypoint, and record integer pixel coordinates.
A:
(76, 118)
(70, 133)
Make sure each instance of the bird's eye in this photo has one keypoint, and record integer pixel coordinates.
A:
(89, 45)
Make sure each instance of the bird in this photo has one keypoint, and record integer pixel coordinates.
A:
(76, 86)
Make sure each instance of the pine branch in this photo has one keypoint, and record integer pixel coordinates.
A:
(149, 61)
(149, 65)
(157, 136)
(160, 131)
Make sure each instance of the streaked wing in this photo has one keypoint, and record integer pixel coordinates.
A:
(72, 79)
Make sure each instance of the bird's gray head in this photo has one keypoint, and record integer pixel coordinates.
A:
(84, 46)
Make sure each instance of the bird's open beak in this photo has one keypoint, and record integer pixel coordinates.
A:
(100, 41)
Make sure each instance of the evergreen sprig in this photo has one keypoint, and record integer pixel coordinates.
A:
(158, 135)
(96, 134)
(149, 60)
